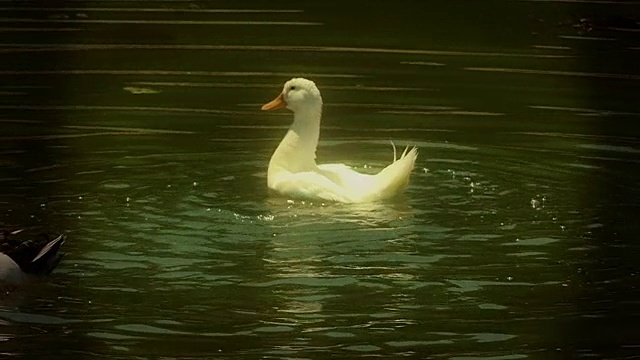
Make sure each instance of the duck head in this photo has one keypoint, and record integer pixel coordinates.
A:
(297, 94)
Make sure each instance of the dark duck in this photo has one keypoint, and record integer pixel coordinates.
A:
(23, 255)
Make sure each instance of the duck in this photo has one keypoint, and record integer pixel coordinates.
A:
(293, 170)
(22, 257)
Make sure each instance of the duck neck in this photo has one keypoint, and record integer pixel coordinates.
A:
(297, 151)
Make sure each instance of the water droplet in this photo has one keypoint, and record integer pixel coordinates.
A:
(535, 204)
(128, 198)
(79, 197)
(195, 183)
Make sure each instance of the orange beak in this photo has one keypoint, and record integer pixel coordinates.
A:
(277, 103)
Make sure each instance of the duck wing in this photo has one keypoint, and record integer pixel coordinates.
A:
(345, 176)
(389, 182)
(310, 185)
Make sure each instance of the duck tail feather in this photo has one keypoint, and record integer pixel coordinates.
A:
(394, 150)
(48, 257)
(395, 177)
(404, 153)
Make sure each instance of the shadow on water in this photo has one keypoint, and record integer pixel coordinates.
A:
(31, 158)
(36, 169)
(609, 302)
(606, 36)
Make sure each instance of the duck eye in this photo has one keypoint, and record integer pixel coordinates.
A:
(292, 88)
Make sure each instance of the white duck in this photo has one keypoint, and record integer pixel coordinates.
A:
(293, 170)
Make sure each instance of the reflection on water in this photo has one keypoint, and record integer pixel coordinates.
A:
(140, 136)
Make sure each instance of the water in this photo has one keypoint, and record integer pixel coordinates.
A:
(138, 133)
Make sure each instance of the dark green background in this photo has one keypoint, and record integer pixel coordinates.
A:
(134, 127)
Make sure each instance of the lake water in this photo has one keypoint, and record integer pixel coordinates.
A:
(134, 127)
